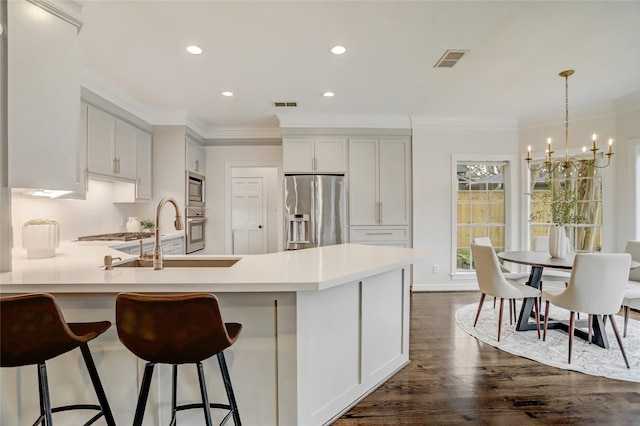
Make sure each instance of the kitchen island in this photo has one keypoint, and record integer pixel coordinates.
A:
(323, 327)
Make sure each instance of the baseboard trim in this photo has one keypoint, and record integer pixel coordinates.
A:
(451, 286)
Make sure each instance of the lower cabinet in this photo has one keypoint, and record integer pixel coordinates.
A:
(170, 245)
(394, 236)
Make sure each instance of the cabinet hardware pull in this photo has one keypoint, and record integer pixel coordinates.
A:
(197, 165)
(115, 165)
(379, 233)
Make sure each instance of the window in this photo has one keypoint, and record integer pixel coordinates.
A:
(584, 182)
(480, 207)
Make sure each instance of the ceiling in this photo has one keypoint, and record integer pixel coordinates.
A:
(267, 51)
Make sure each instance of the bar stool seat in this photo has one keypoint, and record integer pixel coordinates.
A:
(33, 331)
(177, 329)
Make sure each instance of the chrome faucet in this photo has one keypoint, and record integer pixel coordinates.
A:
(157, 247)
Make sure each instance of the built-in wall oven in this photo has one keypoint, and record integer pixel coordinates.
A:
(195, 219)
(195, 229)
(195, 190)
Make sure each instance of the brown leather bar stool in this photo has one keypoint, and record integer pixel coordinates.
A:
(33, 331)
(177, 329)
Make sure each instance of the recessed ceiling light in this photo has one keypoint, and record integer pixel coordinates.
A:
(338, 50)
(328, 94)
(226, 93)
(195, 50)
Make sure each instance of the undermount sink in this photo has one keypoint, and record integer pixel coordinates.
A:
(179, 263)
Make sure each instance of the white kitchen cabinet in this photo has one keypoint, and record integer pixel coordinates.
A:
(379, 181)
(196, 157)
(395, 236)
(173, 244)
(314, 155)
(143, 165)
(111, 145)
(43, 95)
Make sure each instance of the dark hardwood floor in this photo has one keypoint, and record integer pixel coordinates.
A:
(454, 378)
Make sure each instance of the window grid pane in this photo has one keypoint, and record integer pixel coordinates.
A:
(480, 208)
(587, 184)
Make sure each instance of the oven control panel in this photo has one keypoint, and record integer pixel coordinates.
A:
(195, 212)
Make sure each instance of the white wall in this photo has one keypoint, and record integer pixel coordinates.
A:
(433, 145)
(95, 215)
(217, 157)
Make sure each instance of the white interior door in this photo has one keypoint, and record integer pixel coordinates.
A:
(248, 212)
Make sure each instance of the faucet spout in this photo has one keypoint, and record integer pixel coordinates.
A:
(157, 247)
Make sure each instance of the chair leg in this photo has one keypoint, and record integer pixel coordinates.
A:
(546, 319)
(572, 325)
(203, 393)
(144, 394)
(537, 310)
(494, 302)
(590, 322)
(615, 330)
(174, 394)
(625, 309)
(45, 401)
(97, 385)
(482, 296)
(229, 388)
(500, 317)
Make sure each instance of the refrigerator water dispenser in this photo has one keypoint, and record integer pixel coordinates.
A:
(298, 224)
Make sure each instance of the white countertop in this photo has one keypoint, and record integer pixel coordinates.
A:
(77, 268)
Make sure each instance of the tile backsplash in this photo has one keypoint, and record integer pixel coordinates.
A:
(98, 214)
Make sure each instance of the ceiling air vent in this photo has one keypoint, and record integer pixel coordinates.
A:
(285, 104)
(450, 58)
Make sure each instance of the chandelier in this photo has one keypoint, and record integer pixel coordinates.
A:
(563, 164)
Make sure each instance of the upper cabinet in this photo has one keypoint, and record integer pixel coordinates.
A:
(43, 96)
(195, 157)
(143, 165)
(379, 181)
(120, 151)
(314, 155)
(111, 145)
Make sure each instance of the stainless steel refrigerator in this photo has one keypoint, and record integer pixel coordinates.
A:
(315, 211)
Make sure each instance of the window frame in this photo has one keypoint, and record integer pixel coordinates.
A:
(608, 192)
(510, 204)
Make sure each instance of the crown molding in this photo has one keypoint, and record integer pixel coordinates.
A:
(288, 120)
(243, 132)
(462, 123)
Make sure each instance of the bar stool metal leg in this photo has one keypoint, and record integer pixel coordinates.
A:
(229, 388)
(174, 394)
(144, 393)
(97, 385)
(45, 401)
(203, 392)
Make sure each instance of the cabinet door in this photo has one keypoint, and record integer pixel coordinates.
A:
(143, 165)
(394, 192)
(125, 150)
(330, 155)
(363, 181)
(195, 157)
(42, 95)
(101, 137)
(297, 155)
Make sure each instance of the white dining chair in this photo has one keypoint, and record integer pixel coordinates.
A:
(492, 282)
(517, 276)
(596, 286)
(631, 299)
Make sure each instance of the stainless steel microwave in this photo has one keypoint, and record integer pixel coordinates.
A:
(195, 189)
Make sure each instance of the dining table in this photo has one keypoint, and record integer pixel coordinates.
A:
(538, 260)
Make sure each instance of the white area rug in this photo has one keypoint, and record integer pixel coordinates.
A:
(586, 358)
